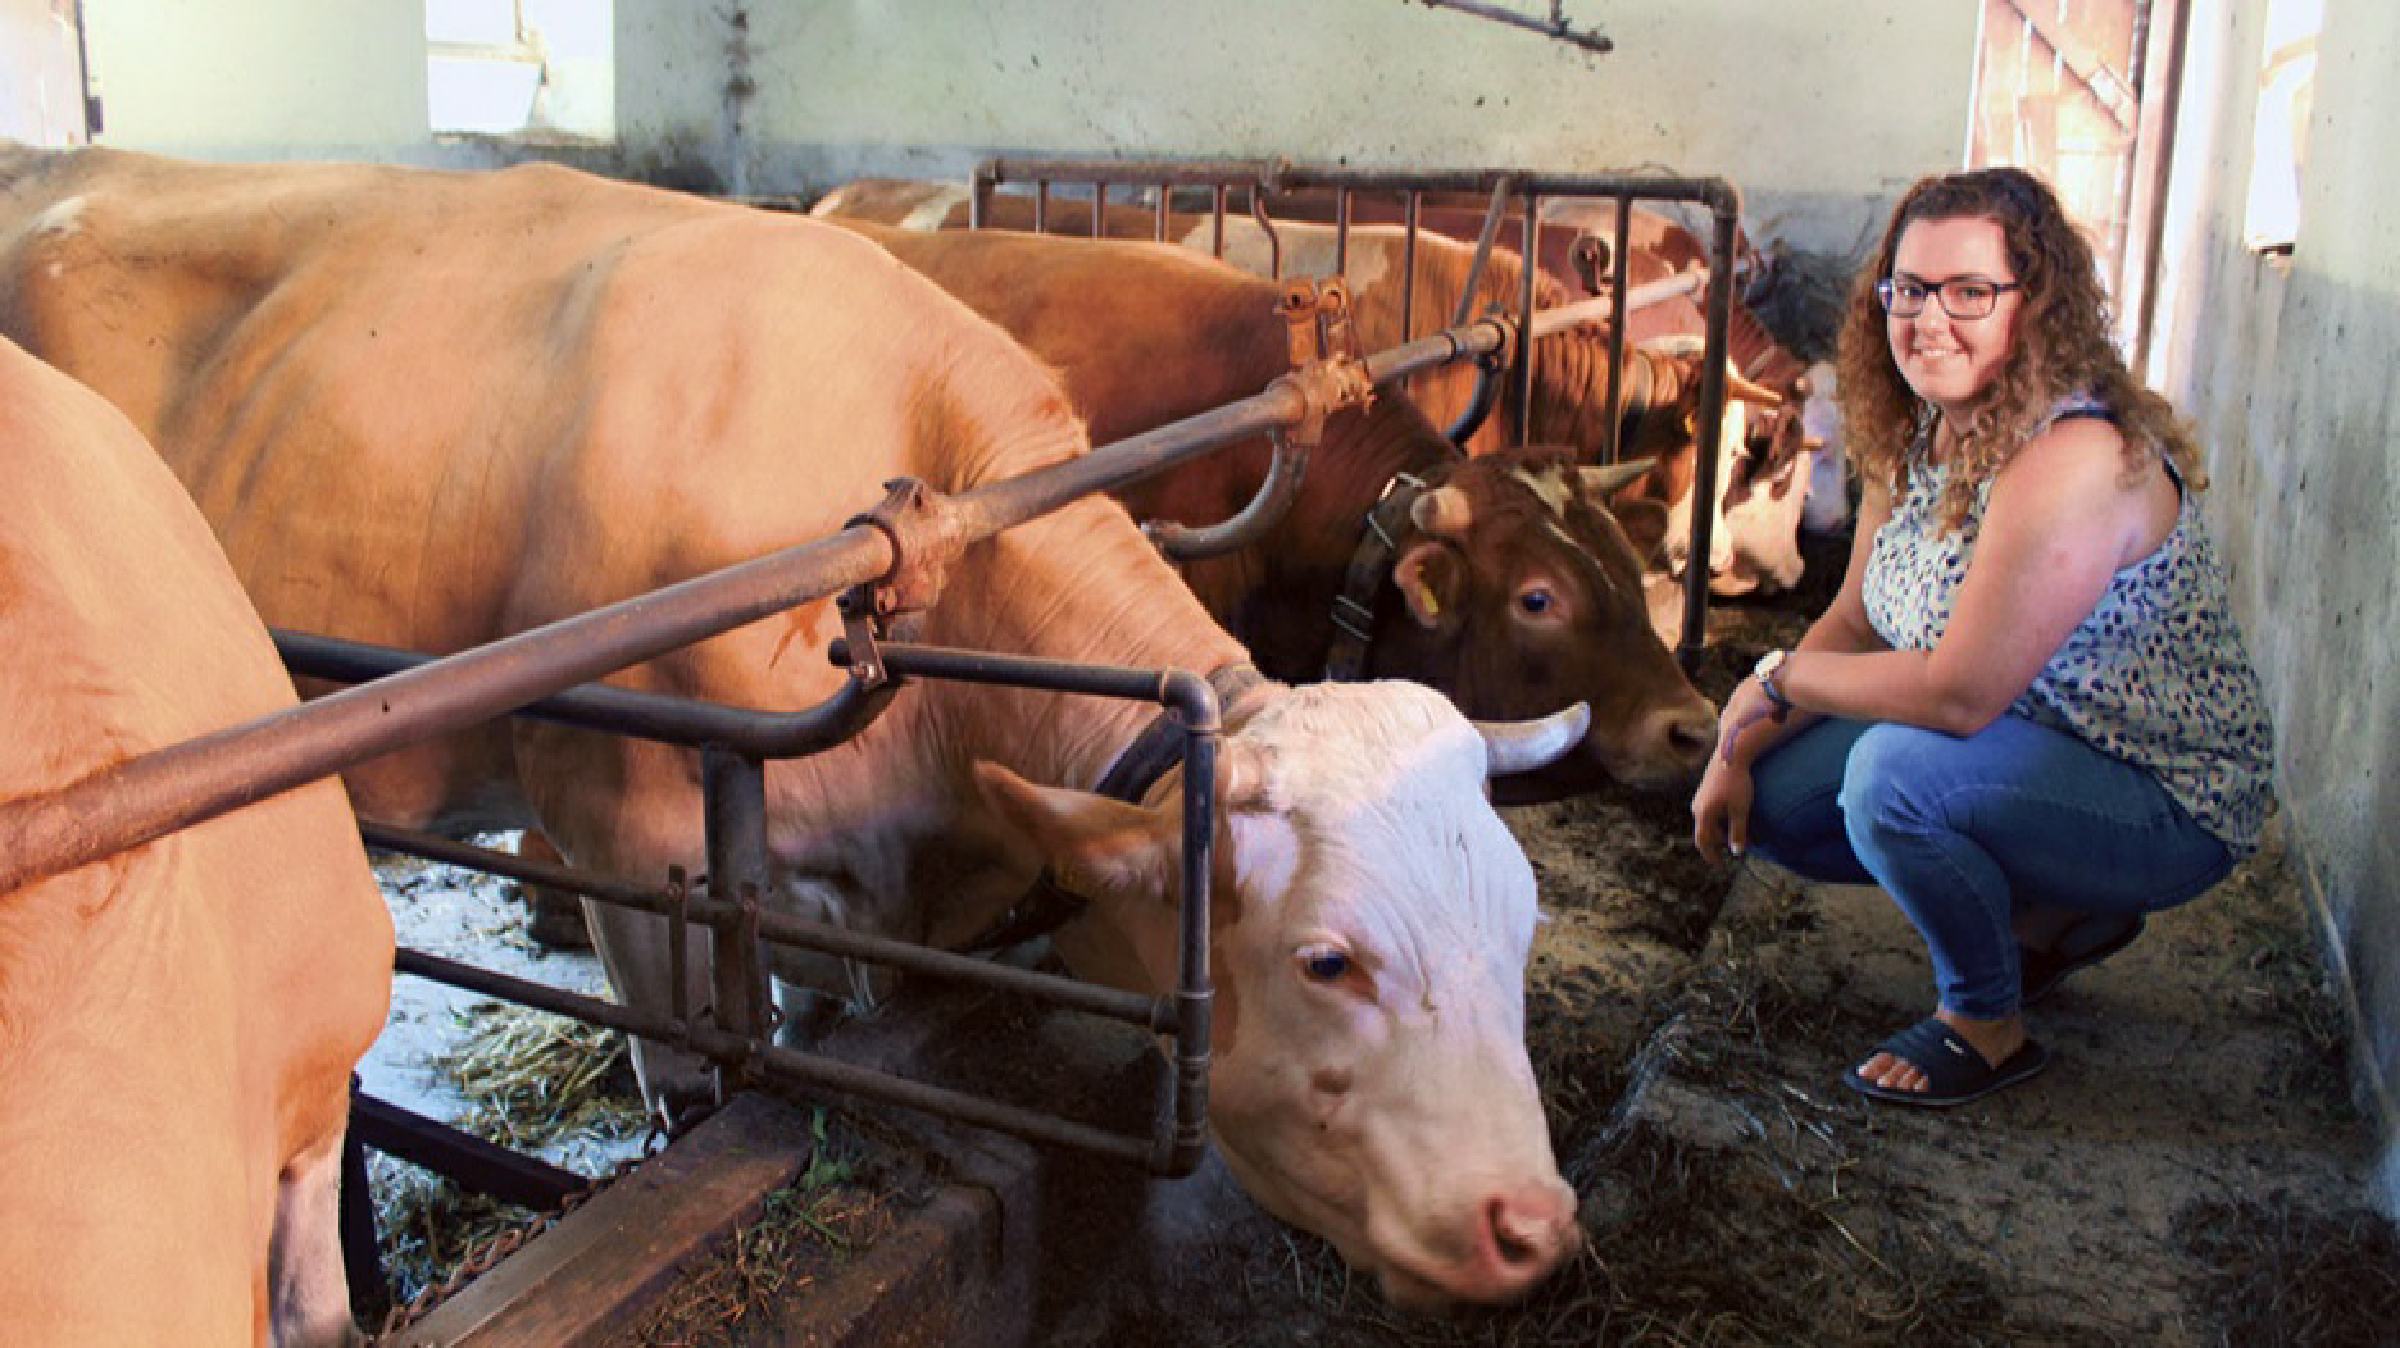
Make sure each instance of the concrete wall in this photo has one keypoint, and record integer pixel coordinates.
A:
(811, 94)
(2286, 365)
(792, 96)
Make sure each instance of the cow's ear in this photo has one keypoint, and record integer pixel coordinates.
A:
(1431, 580)
(1097, 848)
(1645, 525)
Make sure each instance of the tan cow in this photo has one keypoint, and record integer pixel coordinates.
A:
(178, 1022)
(1510, 587)
(428, 410)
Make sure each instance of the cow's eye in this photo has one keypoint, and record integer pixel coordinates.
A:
(1537, 600)
(1324, 964)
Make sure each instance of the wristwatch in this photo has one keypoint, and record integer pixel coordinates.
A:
(1770, 665)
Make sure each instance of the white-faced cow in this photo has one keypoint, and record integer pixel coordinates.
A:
(427, 410)
(177, 1022)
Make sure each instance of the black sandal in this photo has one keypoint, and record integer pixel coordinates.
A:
(1954, 1072)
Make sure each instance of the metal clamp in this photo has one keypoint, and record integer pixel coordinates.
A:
(1317, 312)
(1326, 369)
(926, 538)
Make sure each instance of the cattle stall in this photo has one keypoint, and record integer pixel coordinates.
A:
(1510, 204)
(887, 564)
(1260, 183)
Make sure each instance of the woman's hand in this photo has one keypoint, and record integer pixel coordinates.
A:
(1721, 807)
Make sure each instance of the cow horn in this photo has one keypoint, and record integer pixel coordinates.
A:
(1740, 388)
(1522, 746)
(1443, 512)
(1603, 481)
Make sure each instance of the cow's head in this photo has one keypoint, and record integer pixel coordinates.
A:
(1370, 927)
(1520, 592)
(1766, 484)
(1762, 472)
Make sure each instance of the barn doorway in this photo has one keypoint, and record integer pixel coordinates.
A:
(2083, 92)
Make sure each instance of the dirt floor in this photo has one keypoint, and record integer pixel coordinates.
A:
(2189, 1171)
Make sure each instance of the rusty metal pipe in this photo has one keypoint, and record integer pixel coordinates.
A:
(145, 798)
(791, 1065)
(1564, 316)
(1183, 542)
(1620, 276)
(1184, 1138)
(1529, 267)
(733, 798)
(1151, 1013)
(1266, 225)
(1711, 192)
(1483, 251)
(1718, 321)
(1341, 232)
(623, 711)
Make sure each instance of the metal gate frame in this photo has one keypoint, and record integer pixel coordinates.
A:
(735, 744)
(550, 671)
(1263, 178)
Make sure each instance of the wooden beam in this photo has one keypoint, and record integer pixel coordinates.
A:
(623, 1245)
(2105, 84)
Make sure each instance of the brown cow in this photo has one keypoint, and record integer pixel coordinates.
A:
(177, 1022)
(646, 387)
(1659, 396)
(1511, 587)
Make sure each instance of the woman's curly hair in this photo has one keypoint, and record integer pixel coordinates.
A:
(2061, 346)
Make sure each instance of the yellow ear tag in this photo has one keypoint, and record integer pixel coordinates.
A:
(1426, 601)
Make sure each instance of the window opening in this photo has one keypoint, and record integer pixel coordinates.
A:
(2287, 77)
(528, 69)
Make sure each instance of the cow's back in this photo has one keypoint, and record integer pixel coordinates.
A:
(430, 409)
(179, 1020)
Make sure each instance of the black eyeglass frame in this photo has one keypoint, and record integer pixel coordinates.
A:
(1887, 294)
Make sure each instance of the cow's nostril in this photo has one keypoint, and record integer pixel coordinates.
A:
(1514, 1240)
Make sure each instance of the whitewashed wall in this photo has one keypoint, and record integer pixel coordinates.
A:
(2287, 366)
(1818, 111)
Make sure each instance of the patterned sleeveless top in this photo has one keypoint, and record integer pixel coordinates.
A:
(2156, 676)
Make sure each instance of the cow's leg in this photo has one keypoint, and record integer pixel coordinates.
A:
(308, 1294)
(634, 949)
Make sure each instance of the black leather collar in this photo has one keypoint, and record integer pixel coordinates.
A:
(1362, 582)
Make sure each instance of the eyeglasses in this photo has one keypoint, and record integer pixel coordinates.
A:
(1963, 297)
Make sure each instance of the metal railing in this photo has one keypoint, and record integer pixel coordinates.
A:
(735, 1037)
(1262, 179)
(541, 672)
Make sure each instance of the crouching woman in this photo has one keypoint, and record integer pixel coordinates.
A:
(2028, 715)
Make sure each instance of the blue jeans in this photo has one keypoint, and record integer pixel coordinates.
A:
(1960, 832)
